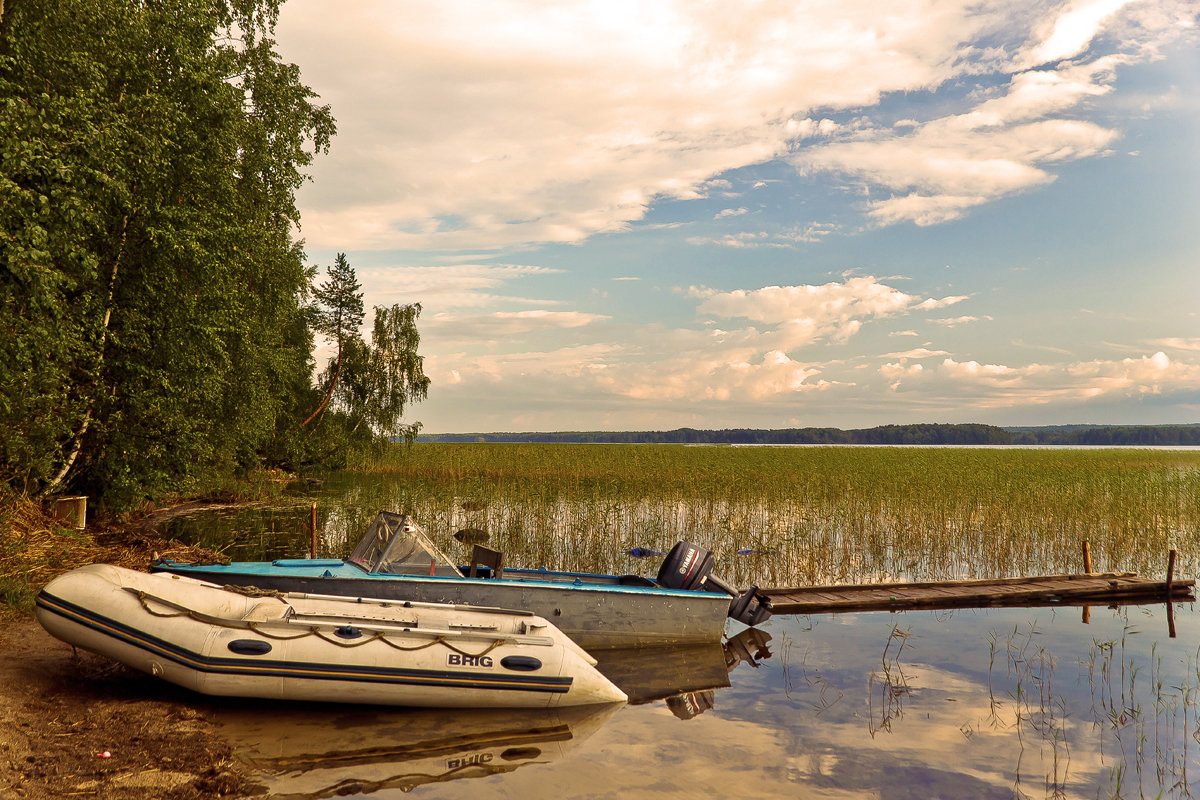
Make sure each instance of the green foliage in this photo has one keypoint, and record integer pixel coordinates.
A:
(396, 372)
(923, 434)
(370, 385)
(149, 280)
(338, 313)
(1111, 435)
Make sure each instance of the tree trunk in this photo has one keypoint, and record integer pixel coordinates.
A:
(77, 444)
(332, 385)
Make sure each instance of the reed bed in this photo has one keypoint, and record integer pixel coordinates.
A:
(800, 515)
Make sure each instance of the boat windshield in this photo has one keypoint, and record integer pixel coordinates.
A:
(395, 544)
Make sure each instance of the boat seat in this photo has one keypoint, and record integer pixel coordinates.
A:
(635, 580)
(486, 557)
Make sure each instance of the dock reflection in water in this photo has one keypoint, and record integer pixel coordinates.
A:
(316, 752)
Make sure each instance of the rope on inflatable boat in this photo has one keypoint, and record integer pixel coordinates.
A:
(313, 630)
(254, 591)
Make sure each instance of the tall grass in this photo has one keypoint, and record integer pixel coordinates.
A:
(810, 514)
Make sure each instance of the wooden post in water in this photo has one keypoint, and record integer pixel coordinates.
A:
(1170, 605)
(312, 529)
(1087, 567)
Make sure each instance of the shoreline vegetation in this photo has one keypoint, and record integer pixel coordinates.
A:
(36, 546)
(778, 516)
(808, 516)
(919, 434)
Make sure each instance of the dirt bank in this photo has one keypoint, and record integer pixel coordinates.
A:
(61, 711)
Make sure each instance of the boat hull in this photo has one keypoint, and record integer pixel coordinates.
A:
(311, 648)
(596, 615)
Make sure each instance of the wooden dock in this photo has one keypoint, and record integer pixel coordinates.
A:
(1109, 588)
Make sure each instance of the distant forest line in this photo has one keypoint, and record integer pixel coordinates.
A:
(926, 434)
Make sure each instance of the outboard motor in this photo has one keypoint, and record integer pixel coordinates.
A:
(689, 566)
(691, 704)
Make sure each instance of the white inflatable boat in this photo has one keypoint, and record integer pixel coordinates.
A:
(244, 643)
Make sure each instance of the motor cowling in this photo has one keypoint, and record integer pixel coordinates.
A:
(689, 566)
(691, 704)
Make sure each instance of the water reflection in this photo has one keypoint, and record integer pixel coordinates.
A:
(658, 673)
(996, 703)
(1001, 703)
(316, 752)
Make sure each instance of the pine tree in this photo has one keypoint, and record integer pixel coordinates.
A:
(338, 315)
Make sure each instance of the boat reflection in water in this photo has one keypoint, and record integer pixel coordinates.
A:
(335, 751)
(685, 677)
(315, 753)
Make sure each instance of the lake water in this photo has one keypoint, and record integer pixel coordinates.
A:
(972, 703)
(1000, 703)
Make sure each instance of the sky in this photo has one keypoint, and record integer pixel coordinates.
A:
(646, 216)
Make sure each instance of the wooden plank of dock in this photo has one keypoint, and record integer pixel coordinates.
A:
(1045, 590)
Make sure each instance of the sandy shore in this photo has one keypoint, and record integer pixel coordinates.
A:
(61, 711)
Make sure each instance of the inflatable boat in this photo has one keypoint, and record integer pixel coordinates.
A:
(294, 646)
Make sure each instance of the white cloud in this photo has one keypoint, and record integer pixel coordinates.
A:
(954, 322)
(809, 128)
(576, 363)
(464, 125)
(917, 352)
(442, 287)
(1176, 343)
(811, 233)
(1075, 28)
(666, 378)
(484, 126)
(661, 375)
(807, 234)
(711, 365)
(739, 240)
(706, 370)
(947, 166)
(731, 212)
(935, 303)
(807, 313)
(712, 379)
(506, 323)
(1008, 142)
(999, 385)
